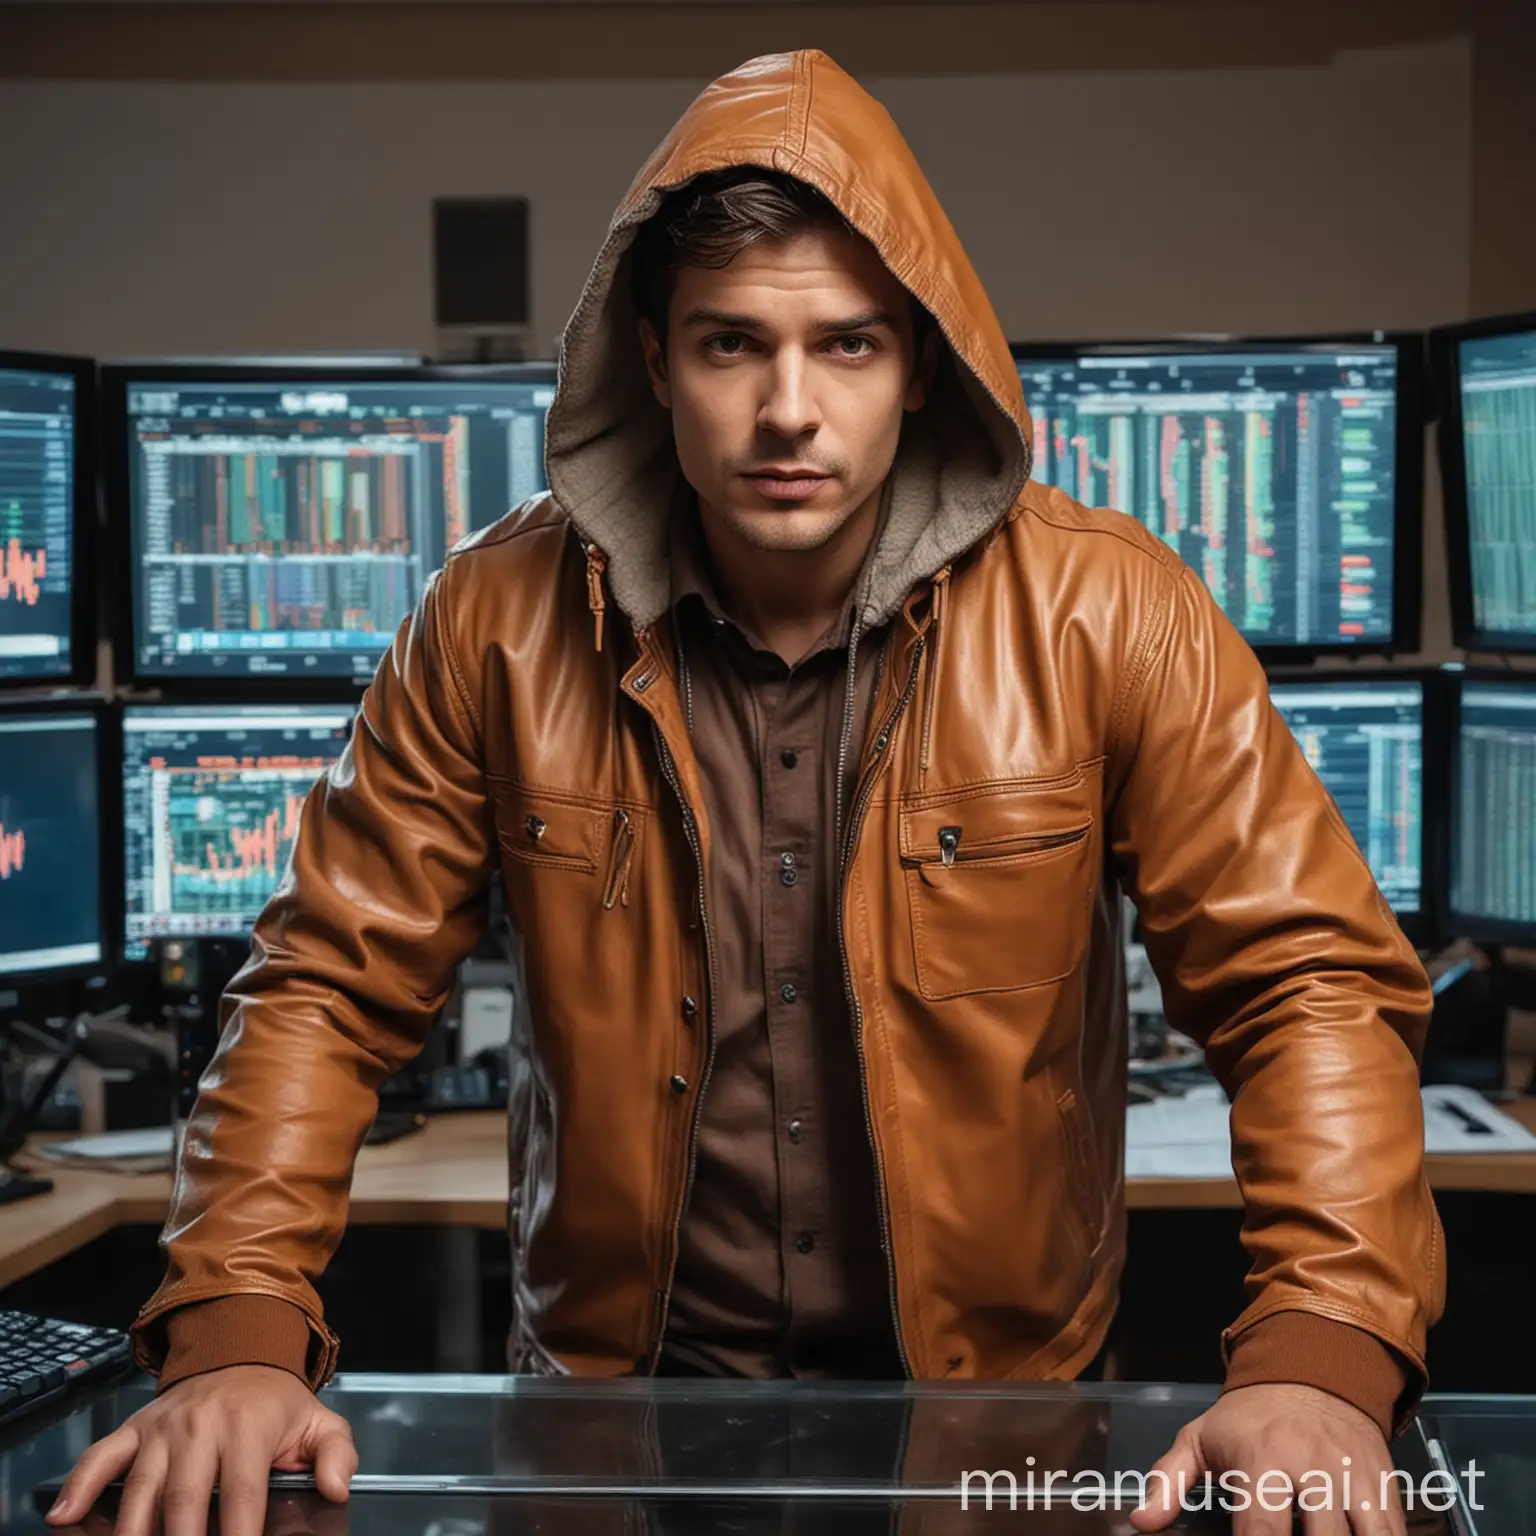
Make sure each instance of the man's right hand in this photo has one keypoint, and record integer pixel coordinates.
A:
(231, 1426)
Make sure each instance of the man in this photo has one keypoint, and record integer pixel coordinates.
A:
(813, 745)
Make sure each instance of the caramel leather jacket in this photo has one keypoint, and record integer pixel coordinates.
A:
(1063, 713)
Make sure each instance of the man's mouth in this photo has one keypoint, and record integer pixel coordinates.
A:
(793, 484)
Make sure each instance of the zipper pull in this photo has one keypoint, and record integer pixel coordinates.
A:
(617, 884)
(597, 563)
(949, 840)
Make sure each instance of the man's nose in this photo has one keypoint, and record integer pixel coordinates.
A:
(788, 408)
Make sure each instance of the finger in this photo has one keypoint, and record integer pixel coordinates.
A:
(305, 1514)
(189, 1485)
(140, 1505)
(245, 1464)
(1379, 1508)
(335, 1460)
(97, 1522)
(330, 1519)
(1259, 1521)
(108, 1458)
(1333, 1521)
(1173, 1475)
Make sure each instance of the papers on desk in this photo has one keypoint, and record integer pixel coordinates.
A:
(1189, 1138)
(144, 1151)
(1180, 1138)
(1461, 1120)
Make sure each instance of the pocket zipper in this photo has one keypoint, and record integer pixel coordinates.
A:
(949, 847)
(617, 886)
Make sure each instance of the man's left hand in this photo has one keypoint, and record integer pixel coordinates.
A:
(1286, 1431)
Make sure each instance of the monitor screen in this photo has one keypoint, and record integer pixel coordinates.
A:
(211, 802)
(39, 416)
(1272, 471)
(1365, 740)
(1496, 385)
(285, 527)
(1493, 808)
(50, 843)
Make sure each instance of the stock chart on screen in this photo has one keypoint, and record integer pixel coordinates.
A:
(37, 493)
(1497, 382)
(211, 805)
(288, 529)
(1493, 809)
(1270, 471)
(50, 854)
(1365, 741)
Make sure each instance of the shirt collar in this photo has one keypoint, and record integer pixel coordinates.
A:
(693, 578)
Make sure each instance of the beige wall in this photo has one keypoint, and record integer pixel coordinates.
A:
(236, 176)
(150, 217)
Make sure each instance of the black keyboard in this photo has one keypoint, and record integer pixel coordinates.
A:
(42, 1359)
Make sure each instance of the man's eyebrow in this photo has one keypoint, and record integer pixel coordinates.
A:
(728, 321)
(867, 321)
(723, 318)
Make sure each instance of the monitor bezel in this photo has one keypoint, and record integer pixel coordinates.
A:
(109, 854)
(169, 686)
(1460, 925)
(1445, 373)
(1424, 927)
(1408, 465)
(280, 698)
(85, 521)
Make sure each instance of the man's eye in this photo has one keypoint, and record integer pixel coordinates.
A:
(727, 345)
(853, 346)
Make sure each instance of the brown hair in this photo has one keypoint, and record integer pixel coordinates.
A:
(713, 219)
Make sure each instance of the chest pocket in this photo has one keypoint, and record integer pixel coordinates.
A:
(546, 830)
(999, 885)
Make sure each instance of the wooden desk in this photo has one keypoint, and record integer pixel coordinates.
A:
(454, 1174)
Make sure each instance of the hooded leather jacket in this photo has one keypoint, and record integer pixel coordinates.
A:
(1063, 713)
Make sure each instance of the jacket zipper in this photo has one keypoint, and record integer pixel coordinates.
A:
(861, 804)
(951, 851)
(669, 769)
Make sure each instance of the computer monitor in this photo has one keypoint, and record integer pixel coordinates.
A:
(211, 803)
(51, 884)
(1492, 819)
(1364, 736)
(1486, 377)
(1286, 473)
(282, 524)
(47, 516)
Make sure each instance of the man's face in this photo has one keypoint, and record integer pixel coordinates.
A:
(787, 373)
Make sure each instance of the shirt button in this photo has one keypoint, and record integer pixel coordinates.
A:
(679, 1083)
(794, 1130)
(787, 860)
(789, 992)
(805, 1242)
(689, 1007)
(788, 757)
(788, 876)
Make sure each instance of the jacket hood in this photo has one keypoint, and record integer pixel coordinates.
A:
(963, 459)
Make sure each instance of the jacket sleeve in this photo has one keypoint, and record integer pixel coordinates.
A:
(1278, 954)
(351, 961)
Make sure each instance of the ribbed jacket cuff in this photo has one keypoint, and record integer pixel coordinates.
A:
(1317, 1351)
(234, 1330)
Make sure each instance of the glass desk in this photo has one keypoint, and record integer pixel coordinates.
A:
(538, 1456)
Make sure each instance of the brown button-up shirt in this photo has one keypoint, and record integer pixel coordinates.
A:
(780, 1270)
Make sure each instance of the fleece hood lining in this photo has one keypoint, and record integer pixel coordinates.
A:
(962, 460)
